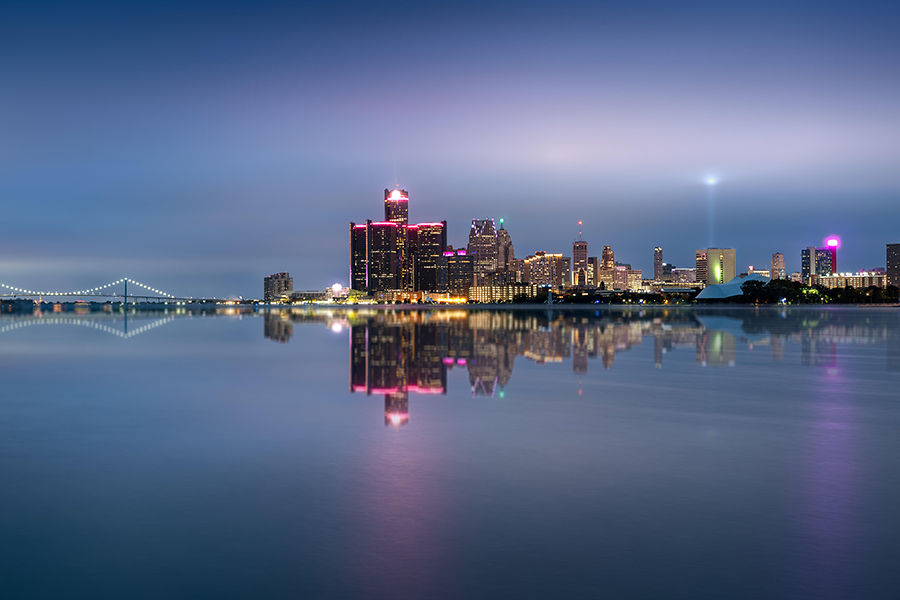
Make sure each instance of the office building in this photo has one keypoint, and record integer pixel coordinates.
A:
(579, 261)
(545, 269)
(684, 275)
(460, 269)
(274, 286)
(777, 269)
(384, 256)
(853, 280)
(593, 266)
(763, 272)
(392, 255)
(658, 264)
(701, 267)
(396, 206)
(374, 256)
(715, 265)
(483, 244)
(426, 243)
(609, 261)
(506, 256)
(605, 278)
(892, 272)
(565, 273)
(816, 261)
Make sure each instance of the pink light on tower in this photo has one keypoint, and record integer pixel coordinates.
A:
(833, 243)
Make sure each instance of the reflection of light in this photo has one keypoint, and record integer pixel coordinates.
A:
(336, 327)
(397, 419)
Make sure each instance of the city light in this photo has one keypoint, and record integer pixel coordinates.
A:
(833, 242)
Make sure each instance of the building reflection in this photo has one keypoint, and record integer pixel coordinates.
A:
(398, 353)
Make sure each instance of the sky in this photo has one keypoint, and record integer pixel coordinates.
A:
(199, 146)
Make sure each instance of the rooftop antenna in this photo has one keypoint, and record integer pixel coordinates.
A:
(579, 230)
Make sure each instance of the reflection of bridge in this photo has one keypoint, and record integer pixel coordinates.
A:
(96, 292)
(86, 322)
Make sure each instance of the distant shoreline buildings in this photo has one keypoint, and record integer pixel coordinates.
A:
(394, 261)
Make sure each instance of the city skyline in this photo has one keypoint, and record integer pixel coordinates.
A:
(191, 148)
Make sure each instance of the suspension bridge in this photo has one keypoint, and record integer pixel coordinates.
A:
(104, 291)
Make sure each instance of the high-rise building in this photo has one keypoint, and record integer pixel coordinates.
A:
(701, 267)
(396, 206)
(579, 260)
(777, 269)
(545, 269)
(426, 245)
(592, 269)
(460, 267)
(506, 256)
(716, 265)
(565, 271)
(359, 257)
(384, 256)
(483, 244)
(658, 264)
(609, 260)
(276, 285)
(816, 261)
(394, 255)
(892, 272)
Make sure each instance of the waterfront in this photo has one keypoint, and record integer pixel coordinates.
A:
(452, 453)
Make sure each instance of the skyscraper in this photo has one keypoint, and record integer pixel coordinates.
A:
(483, 244)
(657, 264)
(460, 272)
(506, 256)
(396, 206)
(430, 239)
(892, 271)
(609, 260)
(816, 261)
(716, 265)
(777, 270)
(545, 269)
(276, 285)
(384, 256)
(359, 257)
(394, 255)
(579, 261)
(701, 266)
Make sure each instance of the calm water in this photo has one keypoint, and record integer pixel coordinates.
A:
(452, 454)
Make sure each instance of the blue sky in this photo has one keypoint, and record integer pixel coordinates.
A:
(201, 146)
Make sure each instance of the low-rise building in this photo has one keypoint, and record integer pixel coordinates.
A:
(853, 280)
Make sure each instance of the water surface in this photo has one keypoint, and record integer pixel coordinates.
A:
(451, 454)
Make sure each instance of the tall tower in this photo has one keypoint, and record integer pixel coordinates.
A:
(506, 256)
(609, 261)
(483, 243)
(579, 261)
(657, 264)
(396, 206)
(702, 266)
(777, 270)
(892, 264)
(817, 261)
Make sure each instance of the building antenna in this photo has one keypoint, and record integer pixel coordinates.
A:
(579, 230)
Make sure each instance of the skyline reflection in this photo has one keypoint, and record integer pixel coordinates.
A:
(397, 352)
